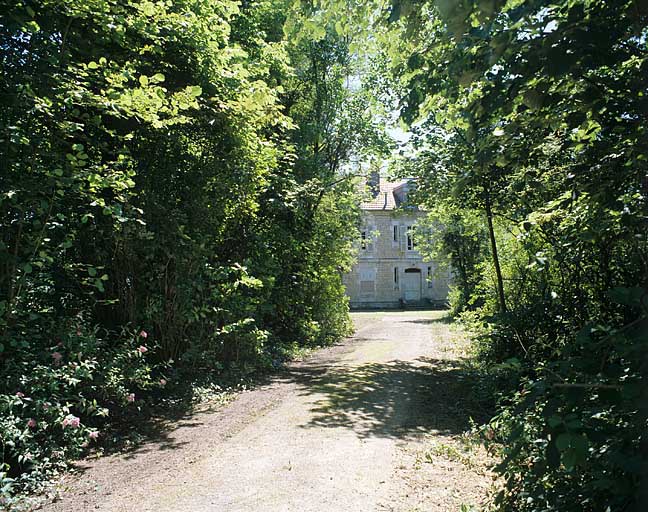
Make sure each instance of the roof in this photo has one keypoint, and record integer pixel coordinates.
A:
(386, 199)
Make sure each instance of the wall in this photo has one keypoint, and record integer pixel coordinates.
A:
(371, 283)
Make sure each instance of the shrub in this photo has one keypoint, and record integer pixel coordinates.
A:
(62, 390)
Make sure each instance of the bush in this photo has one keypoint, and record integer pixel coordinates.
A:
(62, 390)
(570, 438)
(161, 167)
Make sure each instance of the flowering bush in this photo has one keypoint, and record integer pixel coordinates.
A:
(58, 395)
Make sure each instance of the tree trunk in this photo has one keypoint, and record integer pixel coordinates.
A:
(498, 270)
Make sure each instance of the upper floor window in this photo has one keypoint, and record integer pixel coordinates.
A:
(411, 243)
(367, 238)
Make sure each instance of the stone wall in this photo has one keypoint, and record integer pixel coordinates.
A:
(379, 278)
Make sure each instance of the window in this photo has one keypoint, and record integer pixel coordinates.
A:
(396, 278)
(411, 244)
(429, 277)
(397, 235)
(367, 239)
(367, 282)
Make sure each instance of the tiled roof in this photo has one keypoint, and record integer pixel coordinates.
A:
(385, 200)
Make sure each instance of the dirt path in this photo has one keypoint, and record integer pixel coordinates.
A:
(372, 424)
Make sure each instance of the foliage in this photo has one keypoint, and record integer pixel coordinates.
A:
(455, 239)
(57, 402)
(170, 168)
(529, 116)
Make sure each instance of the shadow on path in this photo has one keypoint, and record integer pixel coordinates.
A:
(396, 399)
(446, 320)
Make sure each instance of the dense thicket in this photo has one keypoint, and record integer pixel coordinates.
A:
(530, 144)
(532, 118)
(169, 206)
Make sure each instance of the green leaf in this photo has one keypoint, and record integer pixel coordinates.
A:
(143, 80)
(580, 446)
(32, 26)
(562, 441)
(569, 459)
(628, 296)
(318, 31)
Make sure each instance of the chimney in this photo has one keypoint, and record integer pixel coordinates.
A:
(373, 182)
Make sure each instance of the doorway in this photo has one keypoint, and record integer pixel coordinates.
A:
(412, 285)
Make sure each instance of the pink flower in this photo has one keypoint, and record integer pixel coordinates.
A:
(130, 397)
(143, 334)
(71, 421)
(57, 356)
(142, 349)
(46, 406)
(163, 382)
(20, 394)
(93, 435)
(31, 423)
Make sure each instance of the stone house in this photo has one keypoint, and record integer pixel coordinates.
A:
(390, 272)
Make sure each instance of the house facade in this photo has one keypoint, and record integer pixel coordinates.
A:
(390, 272)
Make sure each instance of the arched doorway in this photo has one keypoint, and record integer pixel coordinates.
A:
(412, 285)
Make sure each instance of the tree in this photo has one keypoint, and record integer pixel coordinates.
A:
(171, 207)
(537, 110)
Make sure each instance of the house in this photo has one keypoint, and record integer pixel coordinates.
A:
(390, 272)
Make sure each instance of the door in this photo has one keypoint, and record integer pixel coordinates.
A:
(412, 285)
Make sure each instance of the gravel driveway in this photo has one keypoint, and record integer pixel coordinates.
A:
(371, 424)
